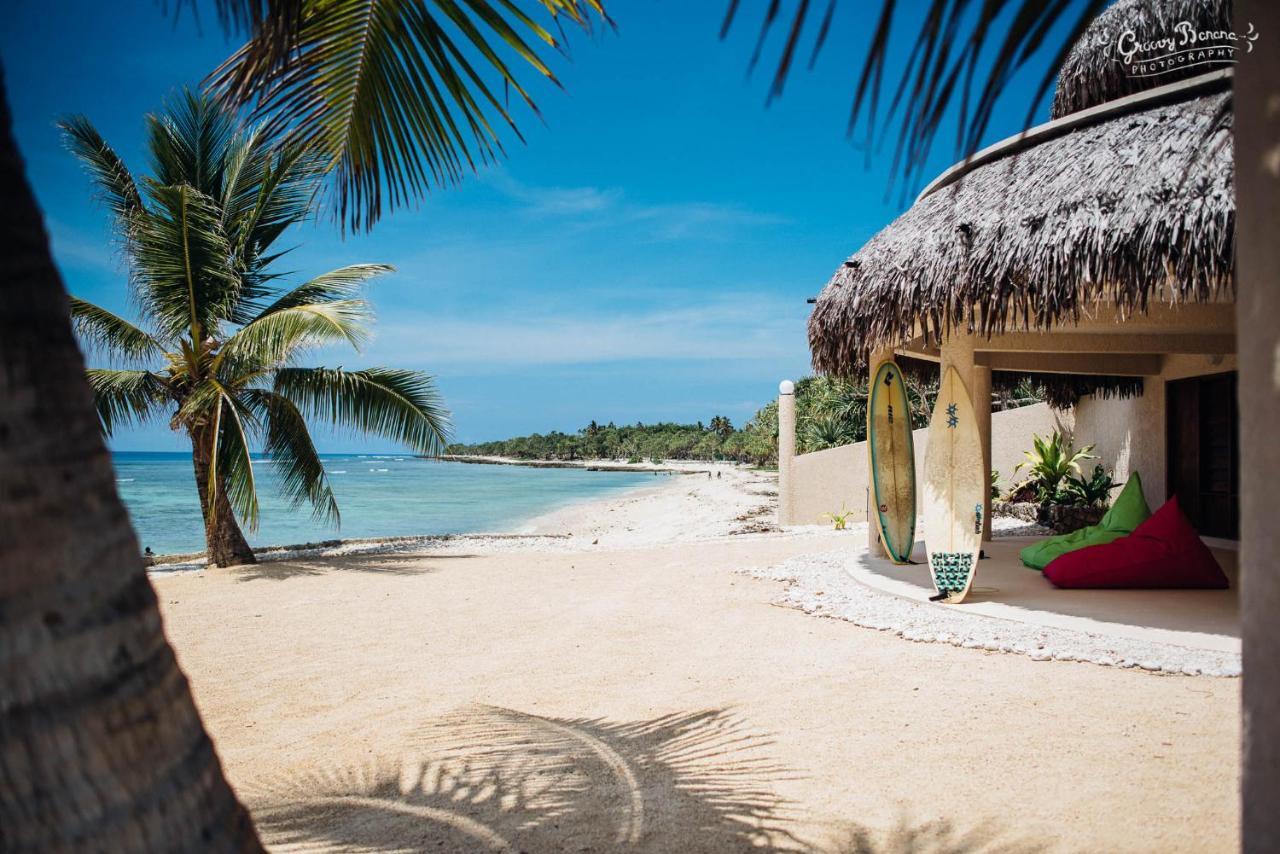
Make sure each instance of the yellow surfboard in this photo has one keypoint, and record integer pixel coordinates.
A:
(954, 485)
(892, 464)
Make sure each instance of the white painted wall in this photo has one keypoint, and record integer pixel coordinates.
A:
(1131, 434)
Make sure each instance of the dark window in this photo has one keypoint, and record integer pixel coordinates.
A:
(1204, 461)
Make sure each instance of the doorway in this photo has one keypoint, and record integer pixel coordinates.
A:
(1203, 452)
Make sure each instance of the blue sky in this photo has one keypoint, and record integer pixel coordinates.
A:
(645, 256)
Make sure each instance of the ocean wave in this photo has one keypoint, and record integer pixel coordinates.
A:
(337, 471)
(125, 479)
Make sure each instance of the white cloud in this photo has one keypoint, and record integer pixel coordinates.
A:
(78, 250)
(742, 327)
(606, 206)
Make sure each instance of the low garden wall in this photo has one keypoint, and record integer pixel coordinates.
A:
(824, 481)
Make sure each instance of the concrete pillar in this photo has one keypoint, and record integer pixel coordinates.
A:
(1257, 139)
(981, 391)
(957, 351)
(786, 451)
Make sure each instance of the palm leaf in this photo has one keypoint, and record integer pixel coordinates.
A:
(325, 310)
(126, 397)
(394, 93)
(232, 467)
(279, 336)
(188, 143)
(182, 264)
(115, 184)
(344, 283)
(400, 405)
(111, 334)
(303, 478)
(935, 76)
(270, 186)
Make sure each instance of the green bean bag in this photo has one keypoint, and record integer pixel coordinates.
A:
(1127, 512)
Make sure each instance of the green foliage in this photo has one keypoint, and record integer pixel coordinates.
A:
(1049, 462)
(839, 520)
(995, 484)
(717, 440)
(832, 411)
(396, 96)
(221, 342)
(1092, 492)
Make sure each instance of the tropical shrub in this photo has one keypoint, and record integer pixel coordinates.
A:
(1092, 492)
(1049, 462)
(839, 520)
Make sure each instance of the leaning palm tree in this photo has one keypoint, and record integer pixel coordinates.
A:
(219, 350)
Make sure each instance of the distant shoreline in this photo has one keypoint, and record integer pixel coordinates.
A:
(702, 466)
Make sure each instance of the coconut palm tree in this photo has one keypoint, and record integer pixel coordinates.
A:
(99, 738)
(218, 353)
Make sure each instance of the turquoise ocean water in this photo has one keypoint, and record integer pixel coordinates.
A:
(379, 495)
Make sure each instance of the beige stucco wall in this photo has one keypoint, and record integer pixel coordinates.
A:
(823, 481)
(1130, 434)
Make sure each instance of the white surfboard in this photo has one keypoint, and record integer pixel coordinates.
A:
(954, 485)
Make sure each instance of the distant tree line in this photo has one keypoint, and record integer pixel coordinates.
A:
(830, 412)
(717, 439)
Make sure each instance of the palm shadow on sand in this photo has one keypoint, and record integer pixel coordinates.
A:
(493, 779)
(378, 564)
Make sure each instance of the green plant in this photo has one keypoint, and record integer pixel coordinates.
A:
(633, 460)
(995, 485)
(839, 520)
(1049, 461)
(219, 350)
(1093, 492)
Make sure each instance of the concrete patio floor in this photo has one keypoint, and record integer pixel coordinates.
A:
(1005, 589)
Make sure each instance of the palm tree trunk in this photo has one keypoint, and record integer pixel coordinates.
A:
(1257, 140)
(224, 541)
(100, 743)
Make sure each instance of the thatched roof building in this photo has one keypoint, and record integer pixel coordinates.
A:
(1125, 200)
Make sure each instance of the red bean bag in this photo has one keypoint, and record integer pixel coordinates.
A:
(1162, 552)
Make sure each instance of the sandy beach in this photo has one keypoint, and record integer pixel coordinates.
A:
(629, 687)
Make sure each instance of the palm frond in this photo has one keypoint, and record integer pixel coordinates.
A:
(115, 184)
(271, 185)
(400, 405)
(111, 334)
(936, 76)
(126, 397)
(344, 283)
(395, 97)
(303, 478)
(232, 467)
(182, 266)
(188, 141)
(278, 336)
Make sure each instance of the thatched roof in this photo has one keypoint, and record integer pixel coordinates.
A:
(1135, 207)
(1093, 72)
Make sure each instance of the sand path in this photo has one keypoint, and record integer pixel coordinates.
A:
(648, 698)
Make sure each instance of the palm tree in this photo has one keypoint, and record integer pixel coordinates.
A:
(99, 738)
(219, 351)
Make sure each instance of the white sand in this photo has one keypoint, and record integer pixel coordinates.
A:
(623, 688)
